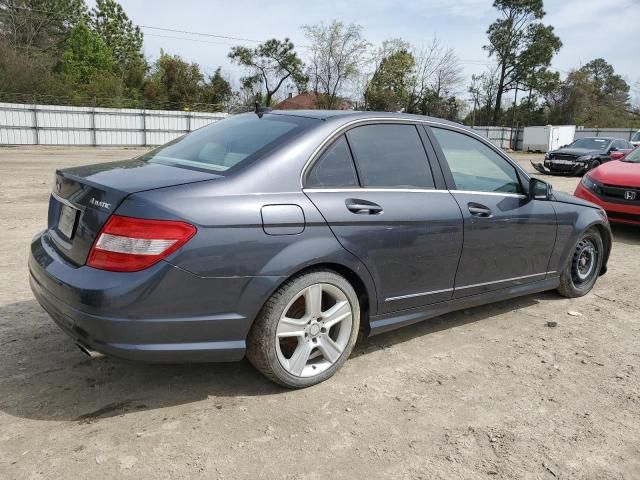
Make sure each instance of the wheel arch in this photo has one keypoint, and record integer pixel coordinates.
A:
(359, 280)
(605, 234)
(572, 223)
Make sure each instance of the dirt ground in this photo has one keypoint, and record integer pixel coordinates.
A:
(487, 392)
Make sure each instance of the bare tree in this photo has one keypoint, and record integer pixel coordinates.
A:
(438, 73)
(337, 53)
(483, 90)
(38, 26)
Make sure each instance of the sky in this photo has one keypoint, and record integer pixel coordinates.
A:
(588, 28)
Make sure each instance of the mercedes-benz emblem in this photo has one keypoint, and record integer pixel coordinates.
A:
(629, 195)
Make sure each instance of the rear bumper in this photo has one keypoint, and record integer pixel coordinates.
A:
(617, 212)
(162, 314)
(577, 169)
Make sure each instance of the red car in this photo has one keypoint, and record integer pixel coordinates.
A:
(615, 186)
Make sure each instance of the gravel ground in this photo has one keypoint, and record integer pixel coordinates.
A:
(487, 392)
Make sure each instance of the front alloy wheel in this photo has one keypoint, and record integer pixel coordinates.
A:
(306, 331)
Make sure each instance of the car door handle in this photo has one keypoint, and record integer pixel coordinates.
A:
(478, 210)
(363, 207)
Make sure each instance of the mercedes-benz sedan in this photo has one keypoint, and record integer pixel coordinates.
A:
(282, 236)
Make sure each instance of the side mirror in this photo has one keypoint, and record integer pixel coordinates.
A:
(539, 189)
(613, 149)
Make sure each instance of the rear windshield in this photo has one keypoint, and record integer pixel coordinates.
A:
(591, 143)
(229, 143)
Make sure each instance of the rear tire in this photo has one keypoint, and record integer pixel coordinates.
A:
(306, 330)
(583, 265)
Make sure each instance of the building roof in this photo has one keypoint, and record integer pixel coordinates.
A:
(307, 101)
(303, 101)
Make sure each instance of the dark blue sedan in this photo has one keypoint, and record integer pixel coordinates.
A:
(283, 235)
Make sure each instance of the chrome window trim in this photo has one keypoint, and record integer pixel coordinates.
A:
(500, 194)
(412, 190)
(367, 189)
(409, 121)
(424, 294)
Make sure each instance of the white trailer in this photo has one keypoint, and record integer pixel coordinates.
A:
(547, 138)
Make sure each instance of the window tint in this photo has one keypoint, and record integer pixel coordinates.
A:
(335, 168)
(390, 156)
(591, 143)
(621, 145)
(227, 143)
(475, 166)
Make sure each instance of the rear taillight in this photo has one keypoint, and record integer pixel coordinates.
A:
(127, 244)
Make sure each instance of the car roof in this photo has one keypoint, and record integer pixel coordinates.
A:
(350, 115)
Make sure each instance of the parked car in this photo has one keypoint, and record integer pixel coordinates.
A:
(635, 139)
(582, 155)
(283, 235)
(616, 188)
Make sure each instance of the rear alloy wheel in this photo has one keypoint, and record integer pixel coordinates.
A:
(306, 331)
(583, 268)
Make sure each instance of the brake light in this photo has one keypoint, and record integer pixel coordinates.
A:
(127, 244)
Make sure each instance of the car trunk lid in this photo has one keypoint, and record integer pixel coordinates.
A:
(83, 198)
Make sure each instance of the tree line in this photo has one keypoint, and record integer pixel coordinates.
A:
(62, 51)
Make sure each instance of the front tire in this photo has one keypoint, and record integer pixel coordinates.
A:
(306, 330)
(583, 265)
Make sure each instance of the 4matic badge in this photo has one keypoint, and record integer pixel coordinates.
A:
(98, 203)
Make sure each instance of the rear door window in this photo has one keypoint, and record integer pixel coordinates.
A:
(390, 156)
(334, 169)
(475, 166)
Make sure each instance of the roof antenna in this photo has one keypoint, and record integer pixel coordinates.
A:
(260, 110)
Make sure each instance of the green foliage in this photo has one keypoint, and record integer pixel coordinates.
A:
(435, 105)
(593, 96)
(86, 56)
(521, 44)
(270, 65)
(86, 65)
(390, 87)
(125, 40)
(218, 92)
(175, 81)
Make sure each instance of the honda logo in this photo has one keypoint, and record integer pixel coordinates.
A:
(629, 195)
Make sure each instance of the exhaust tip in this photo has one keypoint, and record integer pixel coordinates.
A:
(88, 352)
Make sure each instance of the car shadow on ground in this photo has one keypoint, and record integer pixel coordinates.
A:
(627, 234)
(45, 377)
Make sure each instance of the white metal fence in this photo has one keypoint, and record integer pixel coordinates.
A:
(58, 125)
(22, 124)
